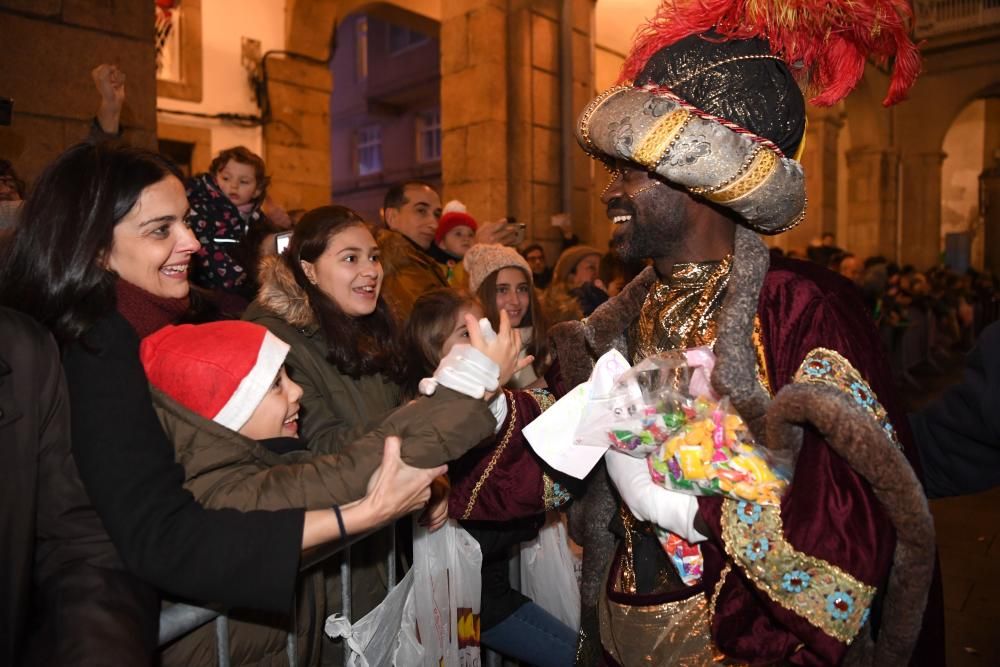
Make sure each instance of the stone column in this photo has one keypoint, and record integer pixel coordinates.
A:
(500, 111)
(820, 164)
(989, 186)
(921, 209)
(475, 78)
(297, 141)
(872, 191)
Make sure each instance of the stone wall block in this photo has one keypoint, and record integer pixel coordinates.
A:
(454, 44)
(544, 43)
(453, 8)
(292, 195)
(487, 36)
(124, 17)
(548, 8)
(299, 74)
(299, 165)
(545, 163)
(519, 46)
(37, 7)
(486, 200)
(519, 205)
(582, 68)
(286, 98)
(545, 203)
(545, 99)
(474, 94)
(486, 152)
(66, 56)
(31, 142)
(582, 11)
(453, 146)
(586, 170)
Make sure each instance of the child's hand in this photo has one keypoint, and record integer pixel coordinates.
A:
(504, 350)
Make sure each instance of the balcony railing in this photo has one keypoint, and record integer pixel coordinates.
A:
(939, 17)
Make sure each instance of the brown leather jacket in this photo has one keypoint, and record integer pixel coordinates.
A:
(409, 272)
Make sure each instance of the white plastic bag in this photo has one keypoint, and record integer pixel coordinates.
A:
(447, 590)
(373, 640)
(549, 572)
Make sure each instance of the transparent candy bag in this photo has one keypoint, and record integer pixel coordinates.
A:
(694, 442)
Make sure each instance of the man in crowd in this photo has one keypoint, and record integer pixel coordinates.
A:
(411, 211)
(700, 147)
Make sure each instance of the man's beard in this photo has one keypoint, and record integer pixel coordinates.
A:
(657, 228)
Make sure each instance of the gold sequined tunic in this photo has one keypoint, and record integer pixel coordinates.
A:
(679, 312)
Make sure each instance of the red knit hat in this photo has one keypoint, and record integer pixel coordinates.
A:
(450, 221)
(221, 370)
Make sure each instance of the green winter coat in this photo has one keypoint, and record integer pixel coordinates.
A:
(336, 408)
(224, 469)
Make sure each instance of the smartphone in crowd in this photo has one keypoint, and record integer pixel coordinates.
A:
(281, 241)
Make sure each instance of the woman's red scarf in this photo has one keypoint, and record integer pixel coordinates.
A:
(147, 312)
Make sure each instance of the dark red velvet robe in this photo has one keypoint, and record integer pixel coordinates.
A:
(518, 485)
(829, 512)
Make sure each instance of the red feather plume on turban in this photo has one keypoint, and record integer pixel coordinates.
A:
(828, 41)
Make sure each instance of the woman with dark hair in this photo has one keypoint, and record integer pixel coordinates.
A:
(102, 261)
(322, 297)
(502, 280)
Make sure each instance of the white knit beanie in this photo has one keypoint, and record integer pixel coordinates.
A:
(483, 259)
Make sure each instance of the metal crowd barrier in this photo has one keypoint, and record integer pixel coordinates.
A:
(180, 619)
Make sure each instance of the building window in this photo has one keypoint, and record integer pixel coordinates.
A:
(361, 48)
(401, 39)
(429, 136)
(369, 150)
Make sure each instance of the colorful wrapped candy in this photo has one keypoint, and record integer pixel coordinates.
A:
(696, 445)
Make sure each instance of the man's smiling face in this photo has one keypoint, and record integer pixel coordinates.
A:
(649, 215)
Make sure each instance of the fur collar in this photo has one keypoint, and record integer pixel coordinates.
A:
(735, 367)
(735, 373)
(280, 294)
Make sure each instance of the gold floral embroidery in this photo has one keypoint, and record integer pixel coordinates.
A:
(497, 453)
(822, 593)
(763, 376)
(553, 494)
(823, 366)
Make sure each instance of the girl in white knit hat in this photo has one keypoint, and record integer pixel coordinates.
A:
(501, 279)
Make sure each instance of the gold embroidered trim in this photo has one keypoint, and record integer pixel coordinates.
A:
(553, 495)
(497, 453)
(763, 375)
(660, 139)
(820, 592)
(591, 109)
(764, 164)
(830, 368)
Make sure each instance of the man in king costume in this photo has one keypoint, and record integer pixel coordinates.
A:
(702, 138)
